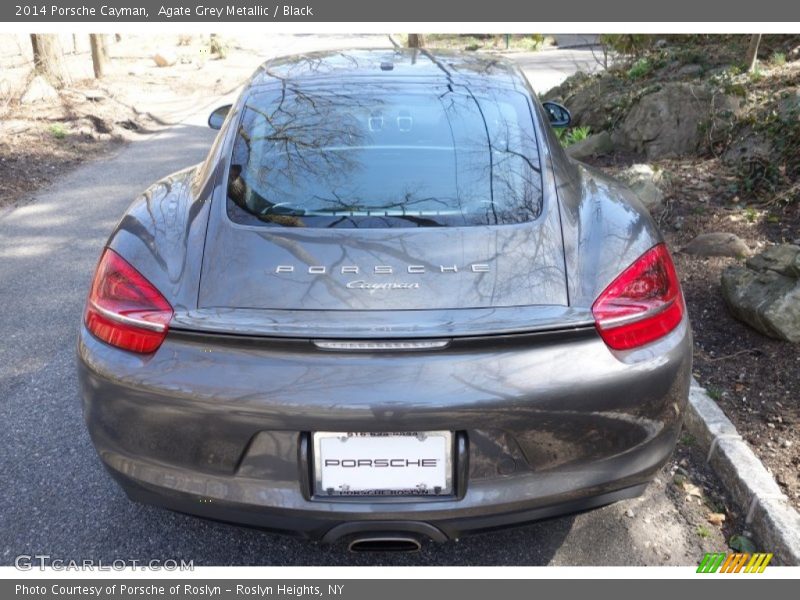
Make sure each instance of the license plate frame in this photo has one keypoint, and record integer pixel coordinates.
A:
(326, 484)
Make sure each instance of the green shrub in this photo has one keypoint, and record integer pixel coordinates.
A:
(57, 131)
(641, 68)
(573, 135)
(778, 59)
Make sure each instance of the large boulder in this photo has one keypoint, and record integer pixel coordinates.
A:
(593, 100)
(789, 106)
(689, 71)
(672, 121)
(717, 243)
(766, 293)
(783, 259)
(597, 144)
(749, 146)
(645, 182)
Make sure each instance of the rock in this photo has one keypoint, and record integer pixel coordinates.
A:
(789, 107)
(100, 124)
(564, 89)
(643, 180)
(629, 513)
(594, 145)
(667, 122)
(689, 71)
(39, 90)
(749, 146)
(591, 99)
(783, 259)
(766, 293)
(717, 244)
(165, 58)
(94, 95)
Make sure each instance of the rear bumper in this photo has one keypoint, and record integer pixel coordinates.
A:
(331, 526)
(551, 425)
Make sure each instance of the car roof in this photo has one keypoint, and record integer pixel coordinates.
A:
(395, 65)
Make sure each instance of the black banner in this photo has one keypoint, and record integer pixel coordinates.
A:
(210, 11)
(730, 587)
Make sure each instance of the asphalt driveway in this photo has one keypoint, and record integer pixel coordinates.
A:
(56, 499)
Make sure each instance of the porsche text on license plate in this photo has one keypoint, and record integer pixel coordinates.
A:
(383, 464)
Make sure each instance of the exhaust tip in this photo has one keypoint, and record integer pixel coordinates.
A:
(385, 544)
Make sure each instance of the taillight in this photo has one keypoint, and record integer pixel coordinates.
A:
(124, 309)
(641, 305)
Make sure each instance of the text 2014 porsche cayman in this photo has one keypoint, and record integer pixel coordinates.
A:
(82, 11)
(386, 307)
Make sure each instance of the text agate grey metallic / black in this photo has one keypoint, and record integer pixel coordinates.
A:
(546, 417)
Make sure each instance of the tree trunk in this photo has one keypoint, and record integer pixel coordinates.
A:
(99, 58)
(48, 59)
(416, 40)
(752, 52)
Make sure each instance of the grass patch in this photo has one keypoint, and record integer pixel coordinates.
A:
(58, 131)
(573, 135)
(641, 68)
(778, 59)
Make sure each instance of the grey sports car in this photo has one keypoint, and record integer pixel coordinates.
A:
(386, 308)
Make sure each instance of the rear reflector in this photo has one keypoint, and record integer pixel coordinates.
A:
(643, 304)
(124, 309)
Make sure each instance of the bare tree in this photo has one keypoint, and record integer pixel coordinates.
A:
(416, 40)
(99, 55)
(48, 59)
(752, 52)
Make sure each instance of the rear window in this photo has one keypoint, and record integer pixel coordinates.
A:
(361, 157)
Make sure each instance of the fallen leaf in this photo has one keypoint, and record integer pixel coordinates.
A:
(692, 490)
(716, 519)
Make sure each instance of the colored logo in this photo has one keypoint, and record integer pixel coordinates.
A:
(714, 562)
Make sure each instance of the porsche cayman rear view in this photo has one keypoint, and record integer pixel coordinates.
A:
(387, 307)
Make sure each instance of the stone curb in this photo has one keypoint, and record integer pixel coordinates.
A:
(768, 514)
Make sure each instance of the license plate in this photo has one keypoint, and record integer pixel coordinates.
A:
(383, 464)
